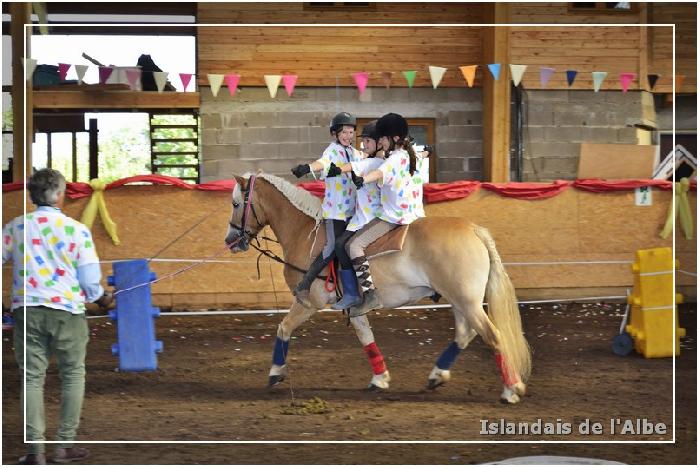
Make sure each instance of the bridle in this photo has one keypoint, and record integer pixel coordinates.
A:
(248, 208)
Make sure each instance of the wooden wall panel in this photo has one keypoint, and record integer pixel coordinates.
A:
(613, 49)
(319, 55)
(573, 226)
(559, 12)
(683, 15)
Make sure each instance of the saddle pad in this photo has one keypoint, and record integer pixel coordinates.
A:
(388, 243)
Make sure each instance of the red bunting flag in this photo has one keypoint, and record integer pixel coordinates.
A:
(361, 79)
(232, 83)
(104, 73)
(63, 70)
(626, 79)
(289, 82)
(185, 78)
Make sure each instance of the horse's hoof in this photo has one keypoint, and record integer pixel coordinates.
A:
(520, 388)
(509, 397)
(274, 381)
(374, 388)
(435, 383)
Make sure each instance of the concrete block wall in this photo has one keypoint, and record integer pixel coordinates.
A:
(557, 122)
(251, 131)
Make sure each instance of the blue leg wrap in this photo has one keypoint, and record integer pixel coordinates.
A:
(279, 355)
(447, 358)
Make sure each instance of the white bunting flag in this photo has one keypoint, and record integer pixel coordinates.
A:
(273, 82)
(436, 74)
(215, 81)
(161, 78)
(80, 71)
(516, 72)
(598, 78)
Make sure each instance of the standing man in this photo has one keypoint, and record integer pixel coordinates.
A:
(55, 271)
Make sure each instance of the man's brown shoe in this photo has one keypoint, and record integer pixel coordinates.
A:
(67, 455)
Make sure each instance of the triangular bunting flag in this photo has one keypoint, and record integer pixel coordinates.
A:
(185, 79)
(495, 69)
(104, 73)
(273, 82)
(570, 76)
(386, 79)
(361, 79)
(161, 78)
(598, 78)
(410, 76)
(232, 83)
(678, 82)
(625, 80)
(133, 76)
(215, 81)
(436, 74)
(516, 72)
(652, 81)
(545, 75)
(30, 66)
(80, 71)
(63, 70)
(469, 72)
(289, 81)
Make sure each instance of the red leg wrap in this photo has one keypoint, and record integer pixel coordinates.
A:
(509, 378)
(375, 358)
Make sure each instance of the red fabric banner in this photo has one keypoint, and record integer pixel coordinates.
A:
(528, 191)
(432, 193)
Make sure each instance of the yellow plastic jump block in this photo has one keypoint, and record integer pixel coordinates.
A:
(653, 315)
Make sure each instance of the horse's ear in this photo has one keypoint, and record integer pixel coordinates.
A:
(240, 181)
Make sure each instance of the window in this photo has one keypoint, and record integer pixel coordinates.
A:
(339, 6)
(423, 133)
(603, 7)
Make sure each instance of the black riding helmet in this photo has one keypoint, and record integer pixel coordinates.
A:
(391, 125)
(369, 130)
(340, 119)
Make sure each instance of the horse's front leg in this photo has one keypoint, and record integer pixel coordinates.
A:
(380, 374)
(297, 315)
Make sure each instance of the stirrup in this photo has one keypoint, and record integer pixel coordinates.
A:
(370, 303)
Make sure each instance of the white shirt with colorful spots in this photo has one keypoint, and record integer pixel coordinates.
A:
(56, 246)
(339, 196)
(369, 204)
(401, 192)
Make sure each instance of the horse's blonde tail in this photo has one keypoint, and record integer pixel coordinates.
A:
(503, 309)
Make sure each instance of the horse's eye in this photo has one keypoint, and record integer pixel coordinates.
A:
(236, 205)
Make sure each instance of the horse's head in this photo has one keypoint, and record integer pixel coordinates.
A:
(245, 221)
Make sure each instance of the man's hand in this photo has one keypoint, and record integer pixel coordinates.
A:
(334, 171)
(105, 301)
(301, 170)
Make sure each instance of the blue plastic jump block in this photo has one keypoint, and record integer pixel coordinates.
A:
(136, 337)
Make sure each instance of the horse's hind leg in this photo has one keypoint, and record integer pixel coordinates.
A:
(380, 374)
(297, 315)
(476, 317)
(464, 334)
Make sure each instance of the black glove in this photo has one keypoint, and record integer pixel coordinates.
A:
(358, 181)
(301, 170)
(428, 149)
(334, 171)
(105, 300)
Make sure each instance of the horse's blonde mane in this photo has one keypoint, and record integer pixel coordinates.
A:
(298, 197)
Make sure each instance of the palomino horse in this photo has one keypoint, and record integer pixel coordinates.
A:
(450, 256)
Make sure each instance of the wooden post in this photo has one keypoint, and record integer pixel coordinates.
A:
(22, 134)
(644, 47)
(496, 96)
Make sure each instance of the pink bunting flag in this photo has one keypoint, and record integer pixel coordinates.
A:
(232, 83)
(133, 75)
(361, 79)
(289, 82)
(104, 73)
(626, 79)
(63, 70)
(545, 75)
(185, 78)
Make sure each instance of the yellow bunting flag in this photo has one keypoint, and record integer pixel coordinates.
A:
(215, 81)
(436, 74)
(97, 205)
(469, 72)
(516, 72)
(682, 208)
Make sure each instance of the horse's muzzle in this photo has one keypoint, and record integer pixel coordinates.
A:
(237, 243)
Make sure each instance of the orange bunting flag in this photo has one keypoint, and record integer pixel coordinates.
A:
(469, 72)
(678, 81)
